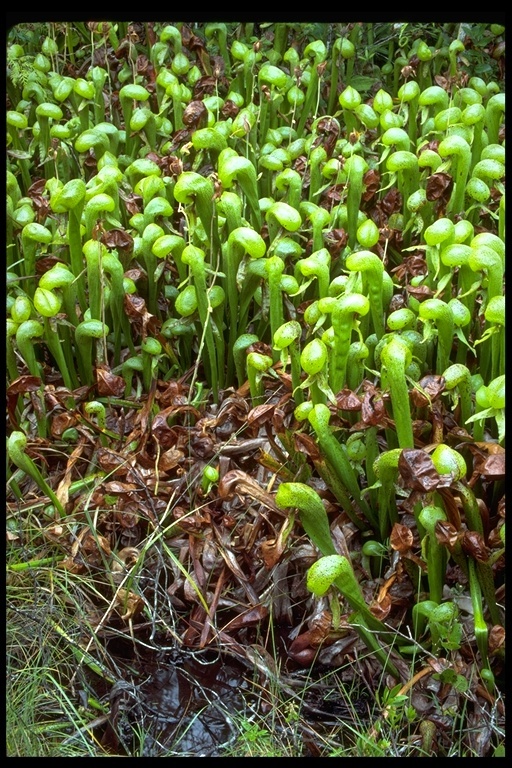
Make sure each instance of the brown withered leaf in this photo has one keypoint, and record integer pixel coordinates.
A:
(85, 550)
(371, 182)
(195, 114)
(261, 414)
(446, 533)
(373, 407)
(419, 292)
(272, 549)
(62, 491)
(164, 434)
(114, 486)
(248, 618)
(335, 240)
(439, 186)
(60, 422)
(401, 538)
(418, 471)
(128, 604)
(429, 389)
(23, 384)
(108, 383)
(236, 481)
(306, 444)
(391, 202)
(489, 460)
(381, 607)
(346, 400)
(19, 387)
(496, 639)
(144, 322)
(132, 202)
(474, 546)
(119, 239)
(112, 462)
(170, 459)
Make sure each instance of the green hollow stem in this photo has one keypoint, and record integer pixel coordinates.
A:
(458, 377)
(97, 409)
(405, 165)
(314, 520)
(195, 259)
(458, 149)
(336, 456)
(287, 341)
(344, 311)
(318, 266)
(151, 350)
(71, 199)
(229, 206)
(320, 219)
(190, 188)
(129, 367)
(317, 52)
(372, 269)
(85, 333)
(440, 313)
(480, 627)
(274, 267)
(33, 236)
(16, 450)
(257, 365)
(289, 182)
(241, 241)
(313, 360)
(385, 470)
(483, 569)
(171, 245)
(355, 168)
(436, 553)
(396, 357)
(233, 167)
(240, 354)
(151, 233)
(25, 333)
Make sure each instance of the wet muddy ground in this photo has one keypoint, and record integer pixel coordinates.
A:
(190, 705)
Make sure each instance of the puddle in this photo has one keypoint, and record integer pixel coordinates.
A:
(180, 707)
(183, 705)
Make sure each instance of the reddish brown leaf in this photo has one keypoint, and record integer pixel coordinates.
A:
(496, 639)
(170, 459)
(373, 407)
(60, 422)
(119, 239)
(346, 400)
(439, 185)
(474, 546)
(248, 618)
(371, 181)
(381, 608)
(128, 604)
(432, 386)
(195, 115)
(446, 534)
(108, 383)
(114, 486)
(241, 482)
(418, 472)
(22, 385)
(260, 414)
(401, 538)
(491, 466)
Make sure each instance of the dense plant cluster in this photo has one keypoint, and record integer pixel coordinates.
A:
(265, 262)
